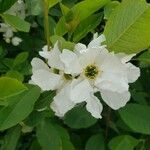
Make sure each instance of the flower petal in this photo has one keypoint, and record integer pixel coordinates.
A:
(115, 82)
(114, 99)
(97, 41)
(38, 64)
(94, 107)
(46, 80)
(53, 57)
(112, 63)
(80, 48)
(125, 58)
(71, 62)
(89, 57)
(133, 72)
(80, 91)
(62, 102)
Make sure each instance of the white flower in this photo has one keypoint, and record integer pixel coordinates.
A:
(102, 71)
(18, 9)
(89, 69)
(53, 57)
(16, 41)
(7, 30)
(43, 76)
(8, 33)
(73, 92)
(62, 103)
(53, 71)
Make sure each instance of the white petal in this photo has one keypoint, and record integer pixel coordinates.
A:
(89, 57)
(62, 102)
(114, 99)
(94, 107)
(8, 33)
(46, 80)
(125, 58)
(71, 62)
(53, 57)
(80, 91)
(97, 41)
(80, 48)
(16, 41)
(115, 82)
(133, 72)
(38, 64)
(112, 63)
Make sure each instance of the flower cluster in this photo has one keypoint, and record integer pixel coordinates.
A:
(18, 9)
(77, 75)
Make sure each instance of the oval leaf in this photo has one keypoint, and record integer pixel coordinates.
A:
(16, 22)
(136, 117)
(96, 142)
(19, 107)
(123, 142)
(128, 28)
(10, 87)
(78, 118)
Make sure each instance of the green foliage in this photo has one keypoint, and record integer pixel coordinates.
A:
(123, 142)
(78, 118)
(19, 107)
(52, 136)
(10, 87)
(96, 142)
(16, 22)
(20, 58)
(6, 4)
(86, 26)
(11, 138)
(136, 117)
(127, 29)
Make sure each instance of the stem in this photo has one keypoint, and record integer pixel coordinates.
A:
(46, 23)
(108, 118)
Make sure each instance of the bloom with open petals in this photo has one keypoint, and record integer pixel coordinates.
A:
(102, 71)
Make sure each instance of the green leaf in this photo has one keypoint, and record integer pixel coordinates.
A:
(145, 57)
(11, 138)
(34, 7)
(63, 44)
(51, 3)
(44, 100)
(78, 118)
(19, 107)
(96, 142)
(15, 75)
(136, 117)
(86, 26)
(79, 12)
(127, 29)
(83, 10)
(109, 8)
(86, 8)
(16, 22)
(6, 4)
(64, 9)
(123, 142)
(10, 87)
(20, 58)
(61, 27)
(52, 137)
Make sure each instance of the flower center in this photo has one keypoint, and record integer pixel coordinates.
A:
(91, 71)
